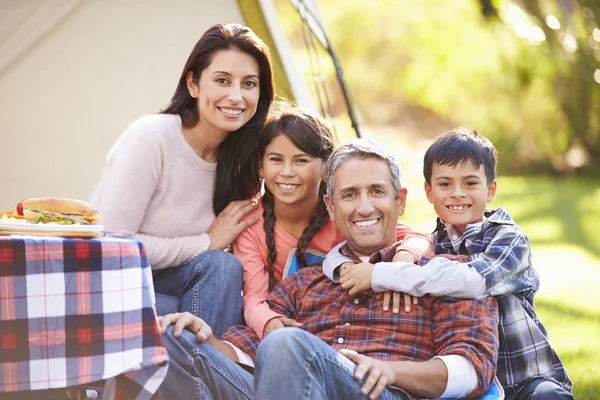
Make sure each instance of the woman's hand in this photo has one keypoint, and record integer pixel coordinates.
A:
(280, 322)
(227, 226)
(187, 321)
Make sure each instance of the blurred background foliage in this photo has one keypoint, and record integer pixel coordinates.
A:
(524, 73)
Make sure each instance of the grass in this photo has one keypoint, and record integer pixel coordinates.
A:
(559, 216)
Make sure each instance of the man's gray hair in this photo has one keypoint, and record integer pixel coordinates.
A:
(362, 149)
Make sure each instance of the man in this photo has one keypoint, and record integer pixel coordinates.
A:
(348, 347)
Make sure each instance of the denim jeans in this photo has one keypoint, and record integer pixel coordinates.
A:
(539, 389)
(199, 371)
(294, 364)
(208, 286)
(291, 364)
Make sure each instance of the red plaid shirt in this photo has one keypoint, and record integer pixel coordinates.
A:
(437, 326)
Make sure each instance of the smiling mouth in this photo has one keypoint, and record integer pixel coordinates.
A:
(231, 111)
(287, 187)
(367, 223)
(459, 208)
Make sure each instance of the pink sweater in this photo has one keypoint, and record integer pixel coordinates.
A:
(251, 249)
(158, 190)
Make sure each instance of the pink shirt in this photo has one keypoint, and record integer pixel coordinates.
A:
(251, 249)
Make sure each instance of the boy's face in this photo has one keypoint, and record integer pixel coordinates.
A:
(460, 193)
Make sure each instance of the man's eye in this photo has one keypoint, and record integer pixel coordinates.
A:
(472, 183)
(348, 196)
(443, 184)
(378, 192)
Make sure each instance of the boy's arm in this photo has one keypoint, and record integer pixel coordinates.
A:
(503, 268)
(506, 264)
(333, 260)
(439, 277)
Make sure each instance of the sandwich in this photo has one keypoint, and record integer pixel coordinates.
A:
(58, 210)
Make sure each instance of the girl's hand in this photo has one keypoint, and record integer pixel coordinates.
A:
(280, 322)
(227, 226)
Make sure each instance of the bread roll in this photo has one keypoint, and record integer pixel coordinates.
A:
(58, 205)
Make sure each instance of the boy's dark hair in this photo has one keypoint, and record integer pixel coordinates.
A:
(461, 145)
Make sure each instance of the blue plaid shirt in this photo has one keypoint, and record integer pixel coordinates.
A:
(500, 251)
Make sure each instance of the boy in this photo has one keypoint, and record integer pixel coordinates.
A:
(460, 179)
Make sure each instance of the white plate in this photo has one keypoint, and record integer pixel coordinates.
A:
(26, 228)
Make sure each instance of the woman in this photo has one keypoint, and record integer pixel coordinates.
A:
(294, 228)
(181, 181)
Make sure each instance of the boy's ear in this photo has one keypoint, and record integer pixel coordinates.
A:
(329, 205)
(402, 201)
(491, 192)
(428, 192)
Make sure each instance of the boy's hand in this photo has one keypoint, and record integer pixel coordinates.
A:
(395, 297)
(356, 278)
(404, 256)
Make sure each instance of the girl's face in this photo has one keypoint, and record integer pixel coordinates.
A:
(227, 91)
(290, 174)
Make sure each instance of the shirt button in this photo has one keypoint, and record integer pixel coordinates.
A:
(455, 237)
(356, 300)
(347, 324)
(340, 340)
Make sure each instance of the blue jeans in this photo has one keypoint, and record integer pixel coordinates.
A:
(208, 286)
(199, 371)
(540, 389)
(291, 364)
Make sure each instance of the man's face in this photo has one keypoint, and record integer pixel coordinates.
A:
(364, 206)
(459, 193)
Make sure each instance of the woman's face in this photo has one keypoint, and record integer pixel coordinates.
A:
(227, 91)
(290, 174)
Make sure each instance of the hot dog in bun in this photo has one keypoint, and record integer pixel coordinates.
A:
(57, 210)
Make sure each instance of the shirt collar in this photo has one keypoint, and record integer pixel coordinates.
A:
(497, 216)
(386, 254)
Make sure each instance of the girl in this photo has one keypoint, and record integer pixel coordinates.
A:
(180, 181)
(294, 229)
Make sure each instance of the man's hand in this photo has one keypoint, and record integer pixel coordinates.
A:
(356, 278)
(188, 321)
(380, 374)
(280, 322)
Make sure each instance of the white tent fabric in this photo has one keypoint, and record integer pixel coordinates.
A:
(75, 73)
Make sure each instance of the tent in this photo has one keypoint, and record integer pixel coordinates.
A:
(75, 73)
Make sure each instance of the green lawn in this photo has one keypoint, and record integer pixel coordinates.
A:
(559, 216)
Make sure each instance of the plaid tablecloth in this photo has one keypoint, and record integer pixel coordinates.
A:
(74, 311)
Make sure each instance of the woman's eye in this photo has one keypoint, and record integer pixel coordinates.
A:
(251, 84)
(473, 183)
(275, 159)
(221, 80)
(303, 160)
